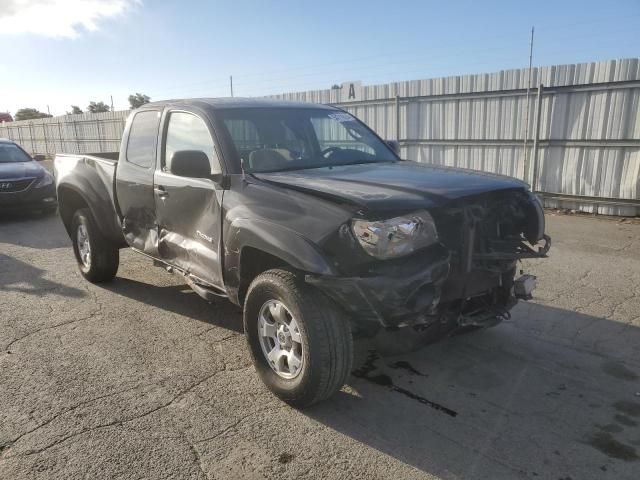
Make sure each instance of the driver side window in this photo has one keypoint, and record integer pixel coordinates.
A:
(189, 132)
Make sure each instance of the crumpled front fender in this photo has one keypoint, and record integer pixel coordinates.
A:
(281, 242)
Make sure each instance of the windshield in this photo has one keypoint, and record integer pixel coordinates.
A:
(10, 153)
(278, 139)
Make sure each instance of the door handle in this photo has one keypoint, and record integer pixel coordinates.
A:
(160, 191)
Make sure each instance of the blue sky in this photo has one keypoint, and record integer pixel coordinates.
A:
(85, 50)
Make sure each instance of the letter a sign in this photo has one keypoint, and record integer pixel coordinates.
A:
(351, 91)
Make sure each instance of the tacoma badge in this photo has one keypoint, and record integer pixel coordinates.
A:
(203, 236)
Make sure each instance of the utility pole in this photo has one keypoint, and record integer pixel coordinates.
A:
(112, 103)
(526, 109)
(48, 111)
(231, 84)
(536, 140)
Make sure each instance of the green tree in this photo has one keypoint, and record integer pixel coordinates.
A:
(29, 114)
(98, 107)
(75, 110)
(138, 100)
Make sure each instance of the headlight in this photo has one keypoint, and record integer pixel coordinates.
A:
(47, 179)
(396, 237)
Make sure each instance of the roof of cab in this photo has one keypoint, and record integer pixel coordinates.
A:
(237, 102)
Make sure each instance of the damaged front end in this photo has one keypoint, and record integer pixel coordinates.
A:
(393, 292)
(465, 280)
(487, 237)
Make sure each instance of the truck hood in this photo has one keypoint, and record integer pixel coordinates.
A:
(393, 186)
(18, 170)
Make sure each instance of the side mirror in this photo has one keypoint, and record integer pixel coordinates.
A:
(394, 145)
(39, 157)
(190, 163)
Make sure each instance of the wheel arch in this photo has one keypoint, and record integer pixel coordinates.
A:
(252, 247)
(253, 262)
(71, 199)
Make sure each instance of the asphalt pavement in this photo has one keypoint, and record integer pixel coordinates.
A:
(140, 378)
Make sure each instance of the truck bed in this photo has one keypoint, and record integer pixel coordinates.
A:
(108, 156)
(92, 175)
(105, 155)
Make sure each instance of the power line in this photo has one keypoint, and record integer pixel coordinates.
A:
(379, 56)
(354, 70)
(264, 78)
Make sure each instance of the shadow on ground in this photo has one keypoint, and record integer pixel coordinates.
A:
(564, 407)
(179, 299)
(18, 276)
(549, 395)
(18, 229)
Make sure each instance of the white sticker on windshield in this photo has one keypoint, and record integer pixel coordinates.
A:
(341, 117)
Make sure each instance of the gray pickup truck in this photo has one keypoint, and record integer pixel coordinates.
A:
(308, 220)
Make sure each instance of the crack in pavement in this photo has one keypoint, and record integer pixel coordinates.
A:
(87, 317)
(120, 421)
(81, 404)
(234, 425)
(196, 454)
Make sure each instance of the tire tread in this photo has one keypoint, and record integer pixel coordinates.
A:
(330, 325)
(105, 258)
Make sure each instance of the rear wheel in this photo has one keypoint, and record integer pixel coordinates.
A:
(300, 342)
(97, 259)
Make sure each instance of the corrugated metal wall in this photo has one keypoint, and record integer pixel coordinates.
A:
(589, 129)
(83, 133)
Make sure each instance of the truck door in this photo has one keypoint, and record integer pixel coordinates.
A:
(134, 181)
(188, 210)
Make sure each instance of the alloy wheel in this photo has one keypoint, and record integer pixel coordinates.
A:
(280, 339)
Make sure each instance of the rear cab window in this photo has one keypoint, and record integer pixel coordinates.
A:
(143, 136)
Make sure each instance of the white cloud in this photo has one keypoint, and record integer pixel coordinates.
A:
(58, 18)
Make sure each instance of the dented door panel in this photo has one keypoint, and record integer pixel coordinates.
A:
(134, 181)
(135, 196)
(188, 222)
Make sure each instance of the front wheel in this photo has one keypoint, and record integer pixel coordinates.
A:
(97, 259)
(300, 342)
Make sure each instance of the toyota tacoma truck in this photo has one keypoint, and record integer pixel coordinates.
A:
(307, 219)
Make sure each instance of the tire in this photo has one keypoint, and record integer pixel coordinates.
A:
(103, 258)
(324, 338)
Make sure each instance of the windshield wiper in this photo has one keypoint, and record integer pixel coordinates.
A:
(297, 167)
(324, 165)
(361, 162)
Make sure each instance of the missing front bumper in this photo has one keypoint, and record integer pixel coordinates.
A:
(392, 293)
(435, 284)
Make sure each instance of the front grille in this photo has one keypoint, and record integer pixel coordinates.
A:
(15, 186)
